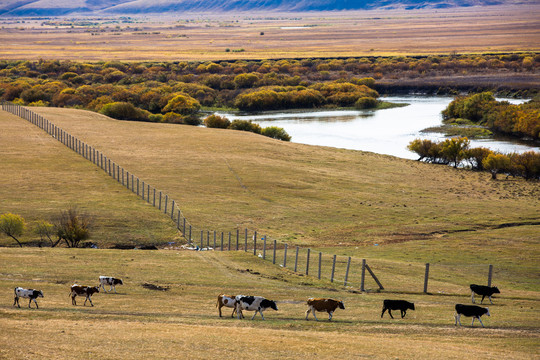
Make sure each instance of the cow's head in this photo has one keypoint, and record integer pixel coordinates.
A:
(269, 304)
(118, 282)
(496, 290)
(40, 293)
(94, 289)
(341, 305)
(410, 306)
(487, 311)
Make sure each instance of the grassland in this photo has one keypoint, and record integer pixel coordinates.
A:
(194, 37)
(336, 201)
(305, 195)
(183, 321)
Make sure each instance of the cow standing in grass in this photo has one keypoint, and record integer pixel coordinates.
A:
(109, 280)
(253, 303)
(400, 305)
(85, 291)
(27, 294)
(484, 291)
(327, 305)
(470, 310)
(227, 301)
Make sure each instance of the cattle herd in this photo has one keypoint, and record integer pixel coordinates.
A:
(240, 303)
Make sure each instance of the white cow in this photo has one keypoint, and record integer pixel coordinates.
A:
(109, 280)
(27, 294)
(253, 303)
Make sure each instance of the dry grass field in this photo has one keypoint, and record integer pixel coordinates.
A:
(336, 201)
(207, 37)
(305, 195)
(182, 322)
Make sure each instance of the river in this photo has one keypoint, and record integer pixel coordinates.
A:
(386, 131)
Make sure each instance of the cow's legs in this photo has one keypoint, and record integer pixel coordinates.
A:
(219, 310)
(253, 317)
(35, 301)
(88, 298)
(483, 296)
(307, 313)
(403, 313)
(480, 321)
(260, 312)
(16, 301)
(490, 299)
(313, 312)
(330, 315)
(73, 301)
(29, 302)
(472, 324)
(457, 316)
(383, 310)
(390, 313)
(472, 296)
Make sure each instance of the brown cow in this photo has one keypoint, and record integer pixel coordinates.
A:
(81, 290)
(328, 305)
(227, 301)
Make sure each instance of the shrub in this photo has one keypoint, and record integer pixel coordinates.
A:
(216, 121)
(276, 133)
(182, 104)
(155, 118)
(496, 163)
(123, 111)
(366, 103)
(245, 125)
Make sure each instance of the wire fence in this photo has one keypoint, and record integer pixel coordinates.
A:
(351, 272)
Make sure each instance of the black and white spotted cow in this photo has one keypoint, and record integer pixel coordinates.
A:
(253, 303)
(27, 294)
(109, 280)
(82, 290)
(470, 311)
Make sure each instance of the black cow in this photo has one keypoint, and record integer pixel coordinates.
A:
(470, 310)
(484, 291)
(401, 305)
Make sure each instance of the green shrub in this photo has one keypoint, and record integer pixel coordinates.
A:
(182, 104)
(366, 103)
(276, 133)
(245, 125)
(155, 118)
(124, 111)
(216, 121)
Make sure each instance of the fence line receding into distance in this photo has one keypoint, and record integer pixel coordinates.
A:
(336, 269)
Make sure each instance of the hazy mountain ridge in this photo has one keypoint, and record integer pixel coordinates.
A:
(95, 7)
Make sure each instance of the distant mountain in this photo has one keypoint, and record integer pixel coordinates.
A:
(97, 7)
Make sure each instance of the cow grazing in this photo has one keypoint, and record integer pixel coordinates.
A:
(81, 290)
(400, 305)
(253, 303)
(484, 291)
(227, 301)
(27, 294)
(112, 282)
(328, 305)
(470, 310)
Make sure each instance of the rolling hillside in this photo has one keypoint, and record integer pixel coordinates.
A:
(169, 7)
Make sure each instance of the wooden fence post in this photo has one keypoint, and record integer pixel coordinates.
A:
(166, 201)
(347, 271)
(221, 241)
(426, 277)
(274, 257)
(127, 179)
(143, 185)
(229, 248)
(255, 243)
(138, 190)
(490, 274)
(333, 269)
(307, 261)
(245, 246)
(148, 193)
(285, 257)
(296, 260)
(264, 247)
(202, 244)
(184, 232)
(159, 201)
(189, 234)
(214, 239)
(237, 238)
(320, 263)
(374, 277)
(178, 219)
(207, 238)
(363, 277)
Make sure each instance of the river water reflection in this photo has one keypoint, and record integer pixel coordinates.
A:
(386, 131)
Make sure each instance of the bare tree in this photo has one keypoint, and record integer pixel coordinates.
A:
(72, 226)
